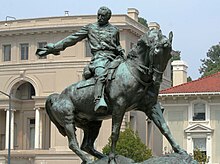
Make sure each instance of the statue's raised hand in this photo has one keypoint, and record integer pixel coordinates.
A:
(48, 49)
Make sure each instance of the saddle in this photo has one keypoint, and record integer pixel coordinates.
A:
(88, 75)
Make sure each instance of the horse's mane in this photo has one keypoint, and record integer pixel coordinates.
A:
(149, 39)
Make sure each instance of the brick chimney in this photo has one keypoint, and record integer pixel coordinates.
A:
(179, 72)
(133, 13)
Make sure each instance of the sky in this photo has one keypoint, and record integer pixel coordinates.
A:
(195, 23)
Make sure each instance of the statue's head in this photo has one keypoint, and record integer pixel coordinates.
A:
(103, 15)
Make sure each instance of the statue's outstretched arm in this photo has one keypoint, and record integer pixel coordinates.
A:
(55, 48)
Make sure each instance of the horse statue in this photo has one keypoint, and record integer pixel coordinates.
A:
(140, 75)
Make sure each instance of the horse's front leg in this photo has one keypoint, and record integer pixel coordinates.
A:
(117, 118)
(157, 116)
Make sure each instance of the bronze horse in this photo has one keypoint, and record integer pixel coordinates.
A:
(140, 75)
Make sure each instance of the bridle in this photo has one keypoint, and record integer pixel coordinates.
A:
(150, 70)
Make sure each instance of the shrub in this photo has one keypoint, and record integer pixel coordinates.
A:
(130, 145)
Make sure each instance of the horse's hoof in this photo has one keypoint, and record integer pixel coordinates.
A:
(111, 156)
(182, 152)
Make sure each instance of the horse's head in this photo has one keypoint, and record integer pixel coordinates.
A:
(160, 48)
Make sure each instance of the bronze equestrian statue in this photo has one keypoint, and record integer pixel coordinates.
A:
(103, 39)
(140, 74)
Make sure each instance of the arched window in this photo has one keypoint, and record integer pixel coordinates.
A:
(25, 91)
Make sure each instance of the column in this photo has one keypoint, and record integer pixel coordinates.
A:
(7, 129)
(38, 128)
(189, 144)
(209, 147)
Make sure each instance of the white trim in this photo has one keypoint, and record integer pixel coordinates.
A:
(177, 105)
(205, 132)
(185, 94)
(207, 111)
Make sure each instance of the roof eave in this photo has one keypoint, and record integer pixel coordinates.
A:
(189, 94)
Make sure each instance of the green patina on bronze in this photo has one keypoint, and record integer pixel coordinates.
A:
(139, 74)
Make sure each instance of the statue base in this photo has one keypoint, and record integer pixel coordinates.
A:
(168, 159)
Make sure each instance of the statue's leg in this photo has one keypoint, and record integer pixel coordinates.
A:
(157, 116)
(100, 104)
(73, 144)
(91, 132)
(66, 110)
(117, 118)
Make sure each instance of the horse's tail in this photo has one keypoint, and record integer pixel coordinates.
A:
(49, 103)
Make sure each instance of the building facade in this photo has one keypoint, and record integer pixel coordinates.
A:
(192, 111)
(30, 79)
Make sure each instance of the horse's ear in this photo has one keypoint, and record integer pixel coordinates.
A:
(171, 37)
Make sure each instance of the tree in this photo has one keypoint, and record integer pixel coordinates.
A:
(175, 55)
(130, 145)
(142, 21)
(211, 64)
(200, 157)
(189, 79)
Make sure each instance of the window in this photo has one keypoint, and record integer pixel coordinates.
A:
(24, 51)
(7, 52)
(88, 49)
(25, 91)
(42, 45)
(199, 143)
(199, 113)
(31, 133)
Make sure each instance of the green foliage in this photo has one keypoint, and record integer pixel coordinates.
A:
(130, 146)
(175, 55)
(200, 156)
(211, 64)
(142, 21)
(189, 79)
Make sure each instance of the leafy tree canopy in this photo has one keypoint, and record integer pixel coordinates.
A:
(189, 79)
(142, 21)
(130, 145)
(175, 55)
(211, 64)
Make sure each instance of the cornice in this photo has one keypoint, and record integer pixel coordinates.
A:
(188, 94)
(45, 65)
(64, 24)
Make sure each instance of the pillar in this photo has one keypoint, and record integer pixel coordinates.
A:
(189, 144)
(38, 129)
(7, 129)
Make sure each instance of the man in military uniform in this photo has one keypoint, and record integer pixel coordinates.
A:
(103, 39)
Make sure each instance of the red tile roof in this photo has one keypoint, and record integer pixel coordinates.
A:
(207, 84)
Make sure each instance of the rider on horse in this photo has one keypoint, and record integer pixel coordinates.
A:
(103, 39)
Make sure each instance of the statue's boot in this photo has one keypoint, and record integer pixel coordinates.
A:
(100, 104)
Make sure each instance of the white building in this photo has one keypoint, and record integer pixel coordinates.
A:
(192, 111)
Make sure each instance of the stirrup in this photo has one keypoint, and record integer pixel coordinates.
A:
(100, 106)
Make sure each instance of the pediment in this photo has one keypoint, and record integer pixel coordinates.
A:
(198, 128)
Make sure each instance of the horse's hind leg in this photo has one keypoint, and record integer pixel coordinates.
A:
(91, 131)
(73, 144)
(157, 116)
(65, 109)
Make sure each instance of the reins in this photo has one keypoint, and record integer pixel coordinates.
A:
(143, 69)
